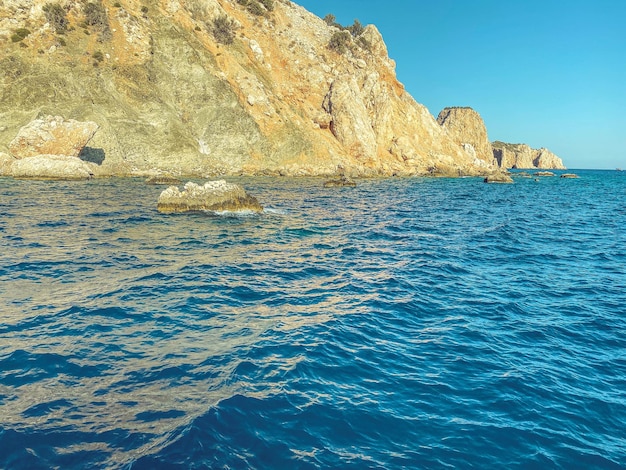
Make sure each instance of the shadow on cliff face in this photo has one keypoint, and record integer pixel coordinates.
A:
(92, 155)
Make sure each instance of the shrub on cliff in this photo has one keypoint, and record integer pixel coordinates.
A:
(56, 16)
(330, 19)
(255, 8)
(339, 41)
(19, 34)
(223, 29)
(96, 16)
(356, 29)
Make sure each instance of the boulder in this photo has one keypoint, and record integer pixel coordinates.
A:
(569, 175)
(212, 196)
(52, 135)
(543, 173)
(498, 178)
(54, 167)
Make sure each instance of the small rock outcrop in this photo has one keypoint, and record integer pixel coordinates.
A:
(212, 196)
(544, 173)
(498, 178)
(522, 156)
(53, 167)
(467, 128)
(569, 175)
(52, 135)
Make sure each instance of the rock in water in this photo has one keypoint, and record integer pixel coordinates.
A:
(569, 175)
(52, 167)
(212, 196)
(498, 178)
(163, 180)
(341, 182)
(52, 135)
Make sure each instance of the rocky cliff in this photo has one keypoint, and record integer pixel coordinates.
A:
(522, 156)
(467, 128)
(208, 87)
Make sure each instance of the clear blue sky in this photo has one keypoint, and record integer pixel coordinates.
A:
(549, 73)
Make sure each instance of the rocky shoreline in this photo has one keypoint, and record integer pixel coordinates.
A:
(52, 147)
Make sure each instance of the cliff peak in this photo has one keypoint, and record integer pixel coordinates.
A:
(467, 128)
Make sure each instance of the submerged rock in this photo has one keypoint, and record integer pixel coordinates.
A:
(498, 178)
(342, 181)
(52, 135)
(212, 196)
(52, 167)
(164, 179)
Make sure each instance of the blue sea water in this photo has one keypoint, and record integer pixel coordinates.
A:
(404, 323)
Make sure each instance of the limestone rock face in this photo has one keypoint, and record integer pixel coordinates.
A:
(523, 157)
(546, 159)
(212, 196)
(350, 121)
(52, 135)
(467, 128)
(56, 167)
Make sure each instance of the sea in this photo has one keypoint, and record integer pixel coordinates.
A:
(423, 323)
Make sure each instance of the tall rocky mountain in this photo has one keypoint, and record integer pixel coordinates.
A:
(207, 87)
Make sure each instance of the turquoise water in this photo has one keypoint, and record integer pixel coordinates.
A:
(405, 323)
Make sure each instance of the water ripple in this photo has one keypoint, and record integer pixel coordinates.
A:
(405, 323)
